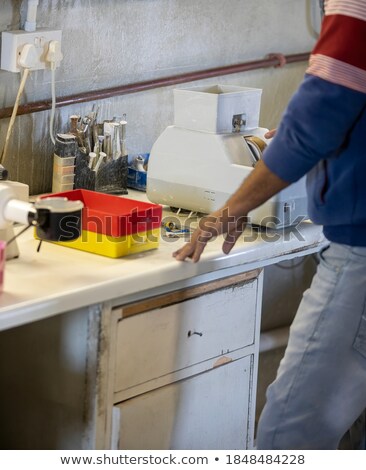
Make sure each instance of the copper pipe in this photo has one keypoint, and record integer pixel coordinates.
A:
(95, 95)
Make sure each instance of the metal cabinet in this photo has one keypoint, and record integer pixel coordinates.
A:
(185, 367)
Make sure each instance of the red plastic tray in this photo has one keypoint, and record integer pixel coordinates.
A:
(113, 215)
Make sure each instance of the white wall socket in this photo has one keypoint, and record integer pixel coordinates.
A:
(13, 41)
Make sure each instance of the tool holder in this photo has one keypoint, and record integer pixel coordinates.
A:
(111, 177)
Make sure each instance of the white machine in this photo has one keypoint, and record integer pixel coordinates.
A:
(214, 144)
(55, 218)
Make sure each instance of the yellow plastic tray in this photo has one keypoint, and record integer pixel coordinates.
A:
(115, 247)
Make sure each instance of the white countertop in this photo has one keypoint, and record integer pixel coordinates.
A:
(60, 279)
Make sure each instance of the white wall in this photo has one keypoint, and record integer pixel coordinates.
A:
(113, 42)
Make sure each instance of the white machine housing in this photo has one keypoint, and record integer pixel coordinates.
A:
(197, 163)
(19, 193)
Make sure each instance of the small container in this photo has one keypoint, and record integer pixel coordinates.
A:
(63, 161)
(213, 108)
(64, 179)
(113, 215)
(64, 157)
(58, 187)
(114, 226)
(59, 170)
(112, 177)
(137, 172)
(115, 247)
(65, 145)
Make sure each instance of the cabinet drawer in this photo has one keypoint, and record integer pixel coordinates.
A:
(176, 336)
(208, 411)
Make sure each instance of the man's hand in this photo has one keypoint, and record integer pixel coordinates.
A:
(210, 227)
(257, 188)
(270, 134)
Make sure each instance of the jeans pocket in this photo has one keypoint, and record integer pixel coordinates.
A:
(359, 343)
(335, 257)
(327, 260)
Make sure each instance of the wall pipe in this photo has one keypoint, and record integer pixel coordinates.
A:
(272, 60)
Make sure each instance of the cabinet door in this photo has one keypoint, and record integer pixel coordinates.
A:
(178, 335)
(211, 410)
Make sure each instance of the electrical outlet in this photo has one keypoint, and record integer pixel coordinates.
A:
(13, 41)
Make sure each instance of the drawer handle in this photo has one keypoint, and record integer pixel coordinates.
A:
(191, 333)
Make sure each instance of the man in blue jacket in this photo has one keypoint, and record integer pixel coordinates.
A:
(320, 388)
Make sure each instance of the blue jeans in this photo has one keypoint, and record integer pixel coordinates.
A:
(320, 388)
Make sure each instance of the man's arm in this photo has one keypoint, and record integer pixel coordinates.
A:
(257, 188)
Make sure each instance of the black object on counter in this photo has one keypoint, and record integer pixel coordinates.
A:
(111, 177)
(58, 219)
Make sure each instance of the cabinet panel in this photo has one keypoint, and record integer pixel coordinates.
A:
(171, 338)
(211, 410)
